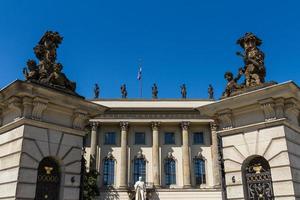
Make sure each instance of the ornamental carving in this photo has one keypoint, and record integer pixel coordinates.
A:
(268, 108)
(39, 106)
(254, 70)
(48, 71)
(80, 119)
(185, 125)
(124, 126)
(225, 118)
(155, 126)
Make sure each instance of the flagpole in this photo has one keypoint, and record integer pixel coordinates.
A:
(141, 87)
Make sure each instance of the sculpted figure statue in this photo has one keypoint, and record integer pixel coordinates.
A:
(140, 190)
(154, 91)
(48, 71)
(254, 68)
(33, 73)
(124, 91)
(57, 78)
(232, 84)
(96, 91)
(183, 91)
(210, 92)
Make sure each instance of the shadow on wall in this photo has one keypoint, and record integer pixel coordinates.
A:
(110, 193)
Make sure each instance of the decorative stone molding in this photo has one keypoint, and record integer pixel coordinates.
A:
(268, 108)
(109, 156)
(80, 119)
(279, 108)
(170, 156)
(155, 126)
(15, 104)
(124, 126)
(149, 116)
(27, 107)
(225, 118)
(39, 106)
(291, 110)
(140, 155)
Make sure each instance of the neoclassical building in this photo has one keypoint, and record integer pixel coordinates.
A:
(167, 142)
(243, 146)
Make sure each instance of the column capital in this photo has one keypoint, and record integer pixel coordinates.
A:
(94, 125)
(213, 126)
(124, 126)
(155, 125)
(185, 125)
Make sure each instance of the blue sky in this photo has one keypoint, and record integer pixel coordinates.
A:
(186, 41)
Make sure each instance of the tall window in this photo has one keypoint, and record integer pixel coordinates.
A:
(109, 171)
(140, 138)
(169, 138)
(198, 138)
(139, 169)
(170, 171)
(110, 138)
(199, 168)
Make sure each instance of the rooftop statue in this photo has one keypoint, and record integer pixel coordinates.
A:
(123, 91)
(210, 92)
(183, 91)
(154, 91)
(48, 71)
(254, 70)
(96, 91)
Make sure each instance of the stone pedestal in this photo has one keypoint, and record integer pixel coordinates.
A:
(39, 123)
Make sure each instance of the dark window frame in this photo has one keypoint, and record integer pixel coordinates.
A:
(135, 138)
(109, 141)
(169, 141)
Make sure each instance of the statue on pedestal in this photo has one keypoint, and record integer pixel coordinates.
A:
(183, 91)
(48, 71)
(123, 91)
(210, 92)
(140, 189)
(96, 91)
(154, 91)
(254, 68)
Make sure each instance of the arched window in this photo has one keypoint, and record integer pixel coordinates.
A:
(48, 179)
(170, 170)
(257, 178)
(199, 170)
(109, 170)
(139, 169)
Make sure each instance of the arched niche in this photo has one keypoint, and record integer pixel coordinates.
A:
(257, 179)
(48, 179)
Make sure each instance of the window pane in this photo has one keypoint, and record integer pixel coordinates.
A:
(110, 138)
(140, 138)
(108, 172)
(170, 171)
(199, 168)
(139, 169)
(169, 138)
(198, 138)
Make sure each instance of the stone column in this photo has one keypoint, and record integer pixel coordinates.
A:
(93, 152)
(215, 155)
(155, 153)
(186, 155)
(123, 162)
